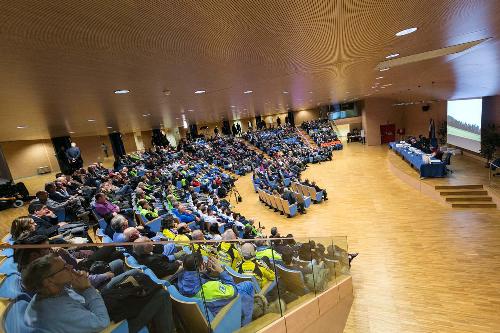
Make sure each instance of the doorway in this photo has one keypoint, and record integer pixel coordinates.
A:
(387, 133)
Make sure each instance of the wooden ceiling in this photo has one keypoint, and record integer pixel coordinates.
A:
(60, 61)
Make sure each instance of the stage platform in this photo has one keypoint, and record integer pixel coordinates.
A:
(463, 188)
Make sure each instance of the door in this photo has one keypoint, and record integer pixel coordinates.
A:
(387, 133)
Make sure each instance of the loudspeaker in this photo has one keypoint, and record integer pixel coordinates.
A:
(426, 108)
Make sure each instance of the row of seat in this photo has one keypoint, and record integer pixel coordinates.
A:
(308, 191)
(278, 203)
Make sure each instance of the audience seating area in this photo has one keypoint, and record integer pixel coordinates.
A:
(202, 266)
(321, 131)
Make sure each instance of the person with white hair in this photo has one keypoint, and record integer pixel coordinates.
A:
(74, 157)
(228, 252)
(252, 266)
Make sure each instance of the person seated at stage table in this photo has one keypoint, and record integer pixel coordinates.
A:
(436, 153)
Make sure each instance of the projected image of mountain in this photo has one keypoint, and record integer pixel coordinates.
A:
(464, 123)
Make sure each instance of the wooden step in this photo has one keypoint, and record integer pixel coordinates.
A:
(458, 187)
(464, 192)
(473, 205)
(467, 198)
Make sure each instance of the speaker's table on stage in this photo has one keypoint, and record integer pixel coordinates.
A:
(427, 170)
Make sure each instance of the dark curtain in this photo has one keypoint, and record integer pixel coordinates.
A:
(60, 144)
(291, 120)
(117, 144)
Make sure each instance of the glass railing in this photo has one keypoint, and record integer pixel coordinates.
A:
(494, 175)
(194, 286)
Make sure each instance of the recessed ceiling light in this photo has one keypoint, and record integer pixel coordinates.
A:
(387, 85)
(22, 126)
(199, 91)
(248, 92)
(394, 55)
(378, 78)
(406, 32)
(70, 132)
(285, 92)
(121, 91)
(109, 127)
(384, 69)
(91, 120)
(146, 114)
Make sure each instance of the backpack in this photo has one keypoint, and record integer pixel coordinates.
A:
(127, 297)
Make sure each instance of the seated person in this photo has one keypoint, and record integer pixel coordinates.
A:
(252, 266)
(228, 252)
(146, 210)
(73, 203)
(204, 249)
(209, 281)
(27, 224)
(183, 234)
(71, 206)
(183, 214)
(287, 258)
(169, 227)
(436, 153)
(160, 264)
(57, 286)
(103, 207)
(263, 250)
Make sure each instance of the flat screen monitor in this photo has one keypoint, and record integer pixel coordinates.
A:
(464, 123)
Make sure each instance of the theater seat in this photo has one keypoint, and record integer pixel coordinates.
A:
(293, 280)
(13, 321)
(192, 313)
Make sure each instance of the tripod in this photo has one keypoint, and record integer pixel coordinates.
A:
(234, 192)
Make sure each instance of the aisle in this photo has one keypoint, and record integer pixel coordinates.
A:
(420, 263)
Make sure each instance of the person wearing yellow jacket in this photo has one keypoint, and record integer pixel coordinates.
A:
(252, 266)
(228, 252)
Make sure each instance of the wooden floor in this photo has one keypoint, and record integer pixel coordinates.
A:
(423, 266)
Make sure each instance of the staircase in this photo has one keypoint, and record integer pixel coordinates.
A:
(307, 139)
(254, 148)
(466, 196)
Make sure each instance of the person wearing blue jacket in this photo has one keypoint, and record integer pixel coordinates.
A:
(64, 299)
(209, 281)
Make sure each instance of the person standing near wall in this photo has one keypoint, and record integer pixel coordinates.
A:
(104, 148)
(74, 157)
(362, 134)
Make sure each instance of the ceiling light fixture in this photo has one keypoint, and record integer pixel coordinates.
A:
(394, 55)
(285, 92)
(406, 32)
(248, 92)
(22, 126)
(91, 120)
(200, 92)
(378, 78)
(384, 69)
(121, 91)
(70, 132)
(190, 110)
